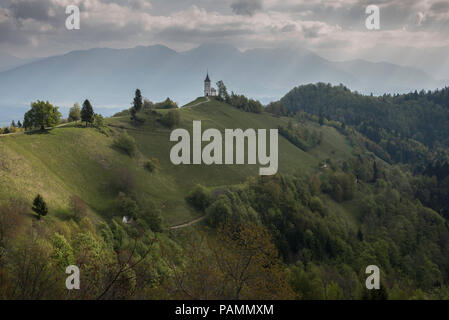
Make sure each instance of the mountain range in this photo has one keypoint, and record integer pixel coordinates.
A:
(8, 61)
(108, 77)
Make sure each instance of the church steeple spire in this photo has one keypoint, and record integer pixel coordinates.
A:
(207, 86)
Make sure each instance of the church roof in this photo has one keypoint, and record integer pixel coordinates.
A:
(207, 78)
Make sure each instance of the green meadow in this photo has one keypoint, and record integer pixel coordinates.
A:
(74, 160)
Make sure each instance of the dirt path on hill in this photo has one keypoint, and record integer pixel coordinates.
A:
(199, 103)
(188, 224)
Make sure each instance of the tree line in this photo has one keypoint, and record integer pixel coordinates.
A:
(412, 128)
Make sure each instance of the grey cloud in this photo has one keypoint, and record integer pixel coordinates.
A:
(31, 9)
(311, 32)
(9, 34)
(199, 36)
(246, 7)
(394, 14)
(349, 15)
(289, 28)
(139, 4)
(38, 10)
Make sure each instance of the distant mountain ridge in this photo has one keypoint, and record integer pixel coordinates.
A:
(8, 61)
(109, 76)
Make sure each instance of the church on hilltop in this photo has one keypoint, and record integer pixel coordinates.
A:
(209, 91)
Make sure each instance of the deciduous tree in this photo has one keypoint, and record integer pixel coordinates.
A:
(75, 113)
(42, 114)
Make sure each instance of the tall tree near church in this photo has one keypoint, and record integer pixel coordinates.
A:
(138, 102)
(137, 105)
(87, 112)
(222, 91)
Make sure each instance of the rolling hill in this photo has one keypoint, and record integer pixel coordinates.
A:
(73, 160)
(334, 209)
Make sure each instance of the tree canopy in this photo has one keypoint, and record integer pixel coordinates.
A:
(42, 114)
(75, 113)
(39, 206)
(87, 112)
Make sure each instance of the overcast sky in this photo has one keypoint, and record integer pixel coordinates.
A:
(36, 28)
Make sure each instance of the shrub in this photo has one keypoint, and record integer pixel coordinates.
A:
(126, 143)
(127, 206)
(219, 212)
(151, 215)
(98, 121)
(242, 102)
(171, 118)
(147, 104)
(199, 198)
(340, 186)
(167, 104)
(155, 222)
(316, 205)
(152, 165)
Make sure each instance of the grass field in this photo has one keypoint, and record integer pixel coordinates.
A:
(74, 160)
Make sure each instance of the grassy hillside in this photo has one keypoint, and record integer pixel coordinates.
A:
(80, 161)
(334, 209)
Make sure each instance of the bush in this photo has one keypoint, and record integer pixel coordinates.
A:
(199, 198)
(126, 143)
(127, 206)
(147, 104)
(171, 118)
(220, 212)
(152, 165)
(242, 102)
(339, 186)
(167, 104)
(155, 222)
(316, 205)
(98, 121)
(151, 216)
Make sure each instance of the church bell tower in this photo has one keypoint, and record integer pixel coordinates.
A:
(207, 87)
